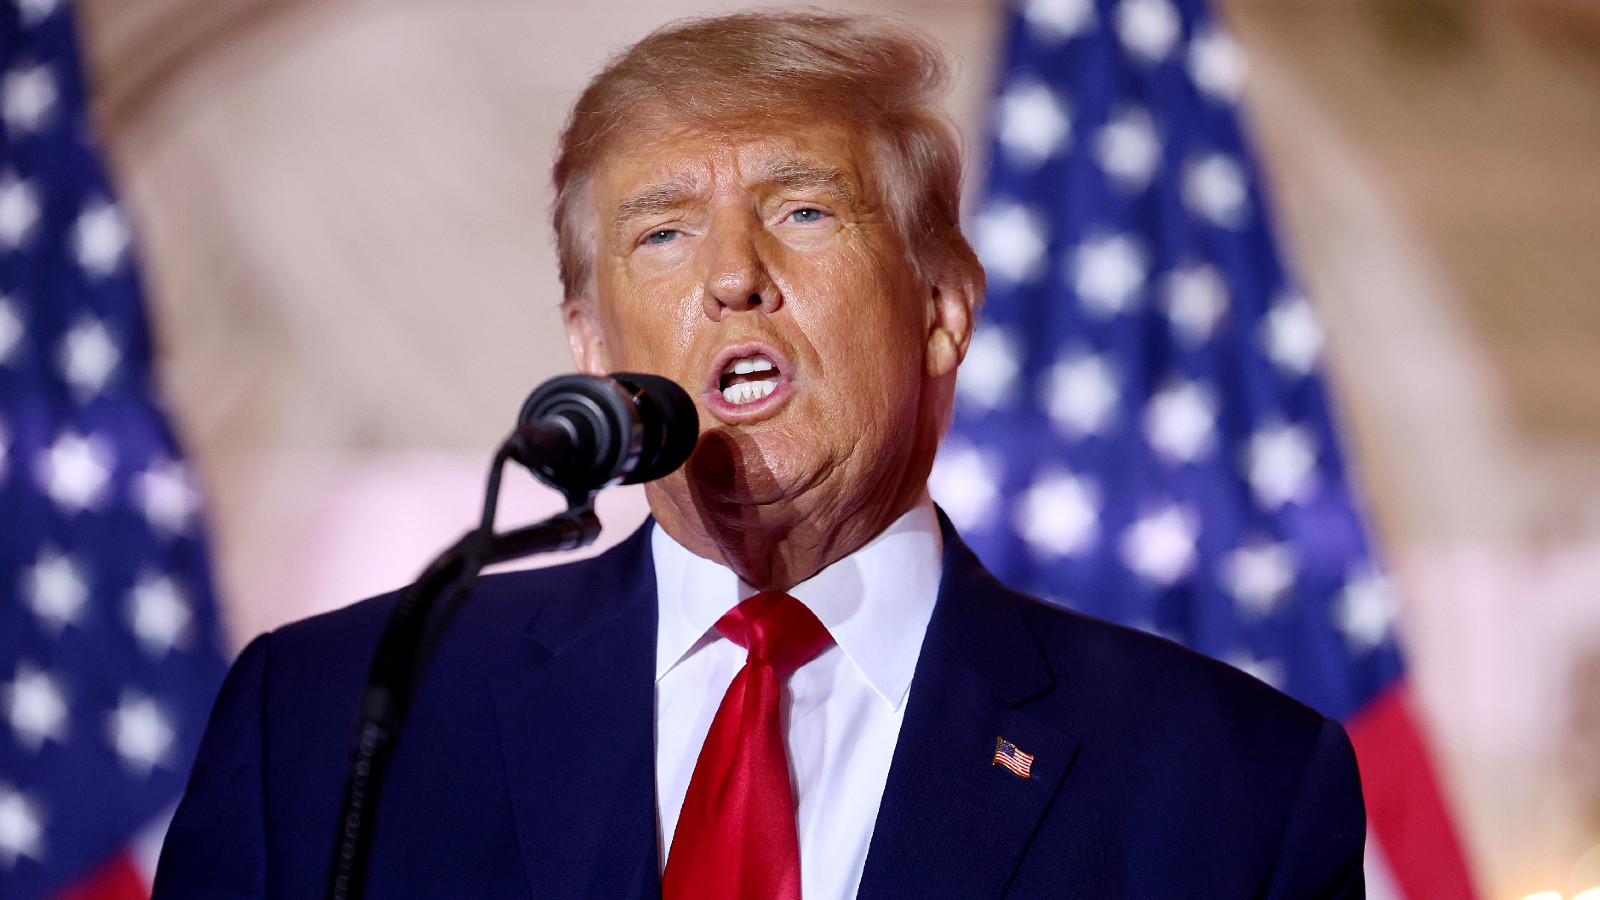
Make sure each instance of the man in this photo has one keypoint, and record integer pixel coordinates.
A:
(796, 681)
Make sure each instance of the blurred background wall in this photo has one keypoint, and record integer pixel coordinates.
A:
(341, 207)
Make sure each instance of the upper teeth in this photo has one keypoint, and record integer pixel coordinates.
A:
(751, 364)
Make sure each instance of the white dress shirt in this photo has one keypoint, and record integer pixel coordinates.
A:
(842, 710)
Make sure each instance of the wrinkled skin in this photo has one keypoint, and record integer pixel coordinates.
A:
(730, 243)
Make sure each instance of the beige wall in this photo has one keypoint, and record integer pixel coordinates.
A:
(342, 215)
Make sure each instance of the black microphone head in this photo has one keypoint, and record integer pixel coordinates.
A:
(671, 424)
(603, 422)
(627, 427)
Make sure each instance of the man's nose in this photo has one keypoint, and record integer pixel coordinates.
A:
(736, 277)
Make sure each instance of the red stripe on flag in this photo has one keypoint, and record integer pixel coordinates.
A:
(118, 879)
(1405, 807)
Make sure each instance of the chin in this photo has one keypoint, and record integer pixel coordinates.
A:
(738, 468)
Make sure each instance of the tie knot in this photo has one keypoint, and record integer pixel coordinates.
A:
(777, 628)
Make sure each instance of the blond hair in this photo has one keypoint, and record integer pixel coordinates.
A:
(748, 69)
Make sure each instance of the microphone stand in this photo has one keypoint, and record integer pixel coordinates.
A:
(410, 635)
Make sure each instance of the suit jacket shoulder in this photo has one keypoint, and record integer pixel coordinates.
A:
(260, 813)
(1155, 771)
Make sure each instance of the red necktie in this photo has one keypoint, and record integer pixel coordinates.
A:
(736, 835)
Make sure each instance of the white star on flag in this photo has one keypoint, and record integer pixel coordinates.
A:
(1282, 464)
(1181, 422)
(159, 614)
(1081, 394)
(166, 496)
(1148, 28)
(87, 356)
(1217, 65)
(10, 330)
(19, 210)
(21, 831)
(1366, 610)
(35, 708)
(1267, 670)
(1291, 335)
(139, 732)
(36, 11)
(1197, 299)
(966, 483)
(1058, 20)
(56, 588)
(1059, 514)
(1215, 188)
(100, 238)
(27, 97)
(1034, 123)
(1127, 148)
(75, 471)
(1011, 242)
(1110, 274)
(988, 375)
(1161, 546)
(1258, 575)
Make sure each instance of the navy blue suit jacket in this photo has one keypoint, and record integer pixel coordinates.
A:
(527, 767)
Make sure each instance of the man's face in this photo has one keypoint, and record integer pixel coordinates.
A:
(760, 271)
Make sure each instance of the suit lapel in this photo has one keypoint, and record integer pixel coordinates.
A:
(577, 726)
(953, 824)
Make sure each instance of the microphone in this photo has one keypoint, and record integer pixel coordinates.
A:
(577, 433)
(580, 433)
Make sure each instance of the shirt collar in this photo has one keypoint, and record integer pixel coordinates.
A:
(876, 602)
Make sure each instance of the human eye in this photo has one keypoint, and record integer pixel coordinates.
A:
(806, 215)
(660, 236)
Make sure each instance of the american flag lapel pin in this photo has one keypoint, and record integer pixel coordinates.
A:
(1006, 754)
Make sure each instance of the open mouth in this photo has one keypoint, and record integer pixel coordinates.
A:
(749, 379)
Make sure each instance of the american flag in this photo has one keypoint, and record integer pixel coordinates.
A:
(1142, 430)
(109, 656)
(1006, 754)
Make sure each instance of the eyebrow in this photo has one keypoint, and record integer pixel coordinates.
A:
(656, 199)
(799, 174)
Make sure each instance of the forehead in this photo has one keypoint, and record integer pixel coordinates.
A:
(675, 158)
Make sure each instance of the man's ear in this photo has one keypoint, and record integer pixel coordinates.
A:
(953, 304)
(584, 336)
